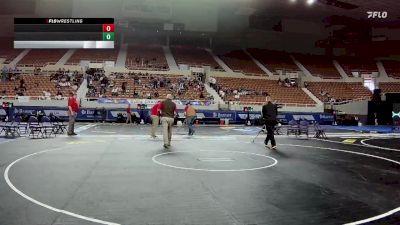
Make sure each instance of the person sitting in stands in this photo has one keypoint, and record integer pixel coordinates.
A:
(114, 91)
(123, 87)
(280, 82)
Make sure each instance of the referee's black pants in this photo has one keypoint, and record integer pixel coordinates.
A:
(270, 135)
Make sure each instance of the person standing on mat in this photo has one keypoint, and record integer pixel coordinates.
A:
(128, 114)
(155, 118)
(73, 109)
(168, 111)
(190, 113)
(269, 114)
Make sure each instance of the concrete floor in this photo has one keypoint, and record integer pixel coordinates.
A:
(116, 174)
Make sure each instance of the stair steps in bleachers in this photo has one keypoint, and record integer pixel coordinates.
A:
(214, 93)
(65, 57)
(170, 58)
(340, 69)
(313, 97)
(19, 57)
(381, 69)
(301, 67)
(258, 63)
(219, 61)
(123, 52)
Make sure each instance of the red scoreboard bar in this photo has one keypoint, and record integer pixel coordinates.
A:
(94, 33)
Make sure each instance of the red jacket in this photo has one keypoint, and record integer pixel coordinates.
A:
(155, 110)
(73, 103)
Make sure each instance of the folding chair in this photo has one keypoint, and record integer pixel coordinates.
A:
(303, 127)
(34, 127)
(48, 127)
(293, 128)
(10, 129)
(319, 131)
(22, 126)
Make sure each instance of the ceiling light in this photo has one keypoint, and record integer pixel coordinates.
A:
(310, 2)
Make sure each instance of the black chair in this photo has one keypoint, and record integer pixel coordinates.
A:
(319, 131)
(35, 128)
(48, 127)
(10, 129)
(293, 128)
(303, 127)
(22, 126)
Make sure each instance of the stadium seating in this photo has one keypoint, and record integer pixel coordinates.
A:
(195, 57)
(145, 87)
(339, 91)
(389, 87)
(7, 50)
(35, 85)
(146, 57)
(239, 61)
(392, 68)
(356, 64)
(94, 55)
(318, 65)
(275, 61)
(39, 58)
(257, 88)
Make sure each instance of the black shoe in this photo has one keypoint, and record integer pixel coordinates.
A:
(166, 146)
(74, 134)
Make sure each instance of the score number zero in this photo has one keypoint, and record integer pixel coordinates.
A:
(108, 32)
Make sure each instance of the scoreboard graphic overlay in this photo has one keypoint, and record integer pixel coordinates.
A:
(44, 33)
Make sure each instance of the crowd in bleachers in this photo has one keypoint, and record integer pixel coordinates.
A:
(44, 86)
(144, 86)
(253, 91)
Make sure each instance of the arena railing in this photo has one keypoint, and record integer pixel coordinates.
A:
(282, 104)
(33, 98)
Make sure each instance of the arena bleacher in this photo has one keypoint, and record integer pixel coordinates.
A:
(7, 50)
(392, 68)
(387, 87)
(277, 62)
(239, 61)
(194, 57)
(93, 56)
(339, 91)
(42, 57)
(358, 65)
(253, 91)
(146, 57)
(318, 65)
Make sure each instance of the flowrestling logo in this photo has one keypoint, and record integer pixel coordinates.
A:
(394, 114)
(377, 14)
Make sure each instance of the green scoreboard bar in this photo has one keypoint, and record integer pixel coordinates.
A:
(90, 33)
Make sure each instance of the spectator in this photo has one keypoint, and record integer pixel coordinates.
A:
(128, 114)
(168, 112)
(73, 109)
(190, 114)
(155, 119)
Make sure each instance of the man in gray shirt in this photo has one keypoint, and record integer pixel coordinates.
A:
(168, 112)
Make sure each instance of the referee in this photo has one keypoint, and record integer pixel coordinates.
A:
(269, 113)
